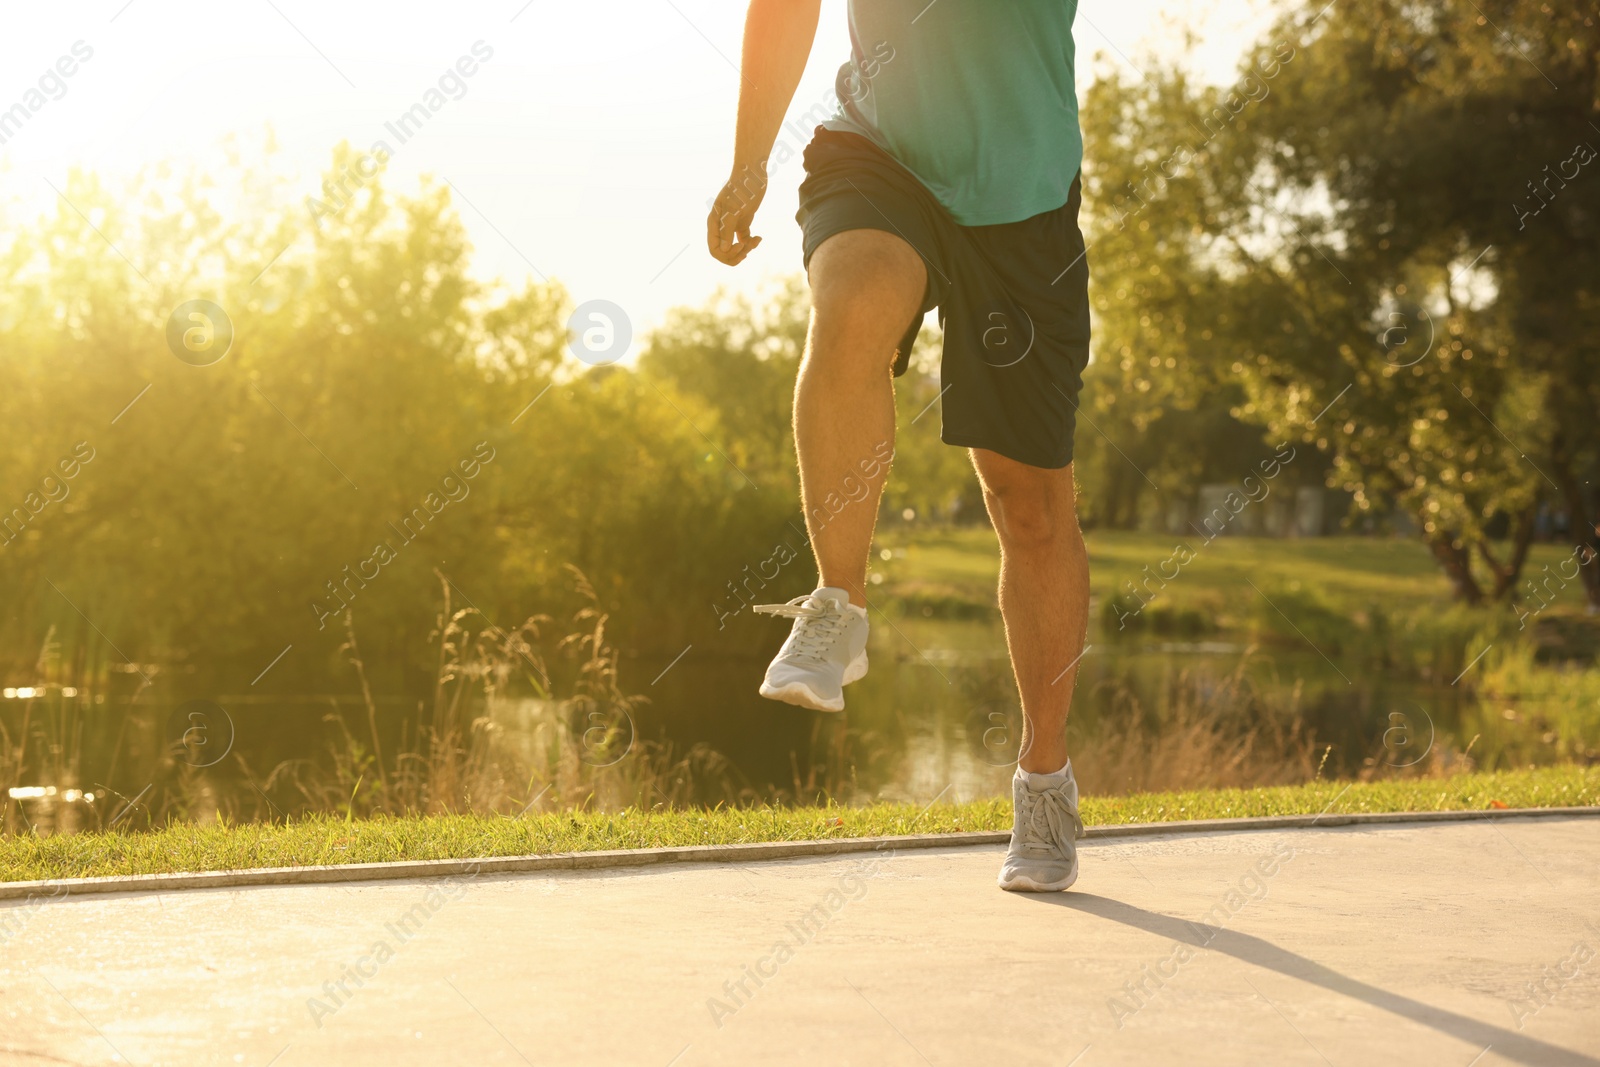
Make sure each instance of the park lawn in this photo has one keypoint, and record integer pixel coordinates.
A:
(318, 840)
(1346, 574)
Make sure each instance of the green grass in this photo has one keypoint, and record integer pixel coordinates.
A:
(1348, 573)
(327, 839)
(1376, 604)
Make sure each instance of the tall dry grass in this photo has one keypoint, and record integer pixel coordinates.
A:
(1211, 732)
(576, 745)
(1206, 732)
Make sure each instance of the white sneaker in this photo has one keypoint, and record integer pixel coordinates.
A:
(826, 650)
(1045, 828)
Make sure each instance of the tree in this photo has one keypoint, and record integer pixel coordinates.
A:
(1342, 216)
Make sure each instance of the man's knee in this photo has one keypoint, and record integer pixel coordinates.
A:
(1031, 507)
(1023, 518)
(866, 287)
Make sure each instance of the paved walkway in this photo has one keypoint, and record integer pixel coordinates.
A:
(1458, 944)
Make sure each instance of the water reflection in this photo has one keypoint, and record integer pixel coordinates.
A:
(936, 716)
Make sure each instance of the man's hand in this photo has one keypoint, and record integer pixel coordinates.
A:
(728, 225)
(777, 40)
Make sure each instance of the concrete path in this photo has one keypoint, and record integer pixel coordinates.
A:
(1454, 944)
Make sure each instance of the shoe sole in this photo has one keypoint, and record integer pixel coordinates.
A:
(1024, 884)
(802, 695)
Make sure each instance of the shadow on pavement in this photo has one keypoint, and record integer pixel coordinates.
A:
(1251, 949)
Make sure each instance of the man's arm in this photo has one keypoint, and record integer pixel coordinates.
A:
(778, 35)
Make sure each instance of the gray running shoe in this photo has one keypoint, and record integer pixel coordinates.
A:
(826, 650)
(1043, 856)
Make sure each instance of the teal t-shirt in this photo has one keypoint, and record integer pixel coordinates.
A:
(974, 97)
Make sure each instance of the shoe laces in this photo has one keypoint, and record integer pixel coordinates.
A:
(818, 624)
(1045, 816)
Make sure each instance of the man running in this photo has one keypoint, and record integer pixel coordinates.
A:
(947, 178)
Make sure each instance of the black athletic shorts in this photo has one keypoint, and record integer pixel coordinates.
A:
(1013, 299)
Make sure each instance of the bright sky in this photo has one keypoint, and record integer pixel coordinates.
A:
(586, 146)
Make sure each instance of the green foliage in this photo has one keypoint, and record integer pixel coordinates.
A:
(1346, 249)
(379, 415)
(739, 361)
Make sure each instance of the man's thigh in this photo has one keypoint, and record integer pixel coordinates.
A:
(867, 288)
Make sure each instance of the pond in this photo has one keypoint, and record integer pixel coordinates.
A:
(937, 714)
(935, 717)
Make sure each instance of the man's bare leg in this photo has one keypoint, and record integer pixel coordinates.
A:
(1044, 595)
(865, 287)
